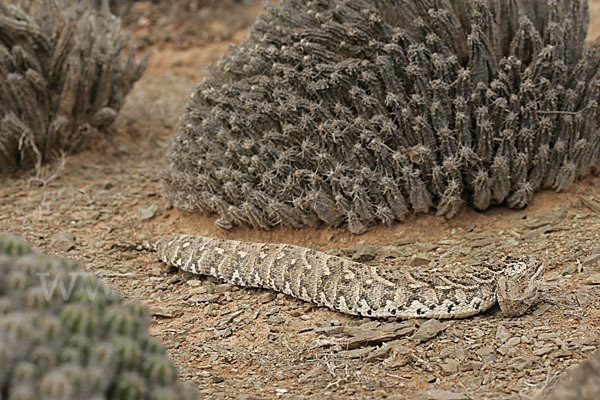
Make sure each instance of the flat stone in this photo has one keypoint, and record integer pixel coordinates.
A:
(430, 329)
(511, 243)
(356, 353)
(487, 354)
(364, 253)
(417, 261)
(591, 260)
(569, 269)
(544, 350)
(374, 337)
(63, 240)
(436, 394)
(390, 251)
(166, 312)
(204, 298)
(450, 366)
(483, 242)
(147, 213)
(379, 354)
(583, 296)
(329, 330)
(502, 333)
(223, 333)
(593, 279)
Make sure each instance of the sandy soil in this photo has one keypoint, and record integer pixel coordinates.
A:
(246, 343)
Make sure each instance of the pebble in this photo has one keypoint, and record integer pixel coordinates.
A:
(63, 240)
(450, 366)
(583, 296)
(166, 312)
(569, 270)
(436, 394)
(502, 333)
(356, 353)
(593, 280)
(380, 353)
(591, 260)
(428, 330)
(329, 330)
(487, 354)
(148, 212)
(364, 253)
(267, 297)
(204, 298)
(544, 350)
(223, 333)
(417, 261)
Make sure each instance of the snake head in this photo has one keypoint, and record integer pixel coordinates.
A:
(519, 284)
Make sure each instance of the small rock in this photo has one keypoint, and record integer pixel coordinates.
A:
(267, 297)
(147, 213)
(363, 338)
(417, 261)
(430, 329)
(275, 320)
(204, 298)
(569, 269)
(63, 240)
(511, 243)
(223, 333)
(356, 353)
(477, 333)
(450, 366)
(591, 260)
(436, 394)
(379, 354)
(537, 232)
(593, 279)
(483, 242)
(487, 354)
(166, 312)
(364, 254)
(502, 333)
(544, 350)
(548, 335)
(390, 251)
(329, 330)
(489, 377)
(583, 296)
(223, 287)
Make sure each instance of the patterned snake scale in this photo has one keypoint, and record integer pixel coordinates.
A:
(355, 288)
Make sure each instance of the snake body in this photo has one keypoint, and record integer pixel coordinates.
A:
(352, 287)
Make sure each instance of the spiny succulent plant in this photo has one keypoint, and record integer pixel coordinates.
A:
(360, 111)
(65, 336)
(582, 383)
(62, 78)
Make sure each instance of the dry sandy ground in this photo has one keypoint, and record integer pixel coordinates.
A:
(244, 343)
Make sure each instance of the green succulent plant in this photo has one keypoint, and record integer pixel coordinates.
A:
(79, 344)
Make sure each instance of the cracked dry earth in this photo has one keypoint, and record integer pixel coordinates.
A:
(254, 344)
